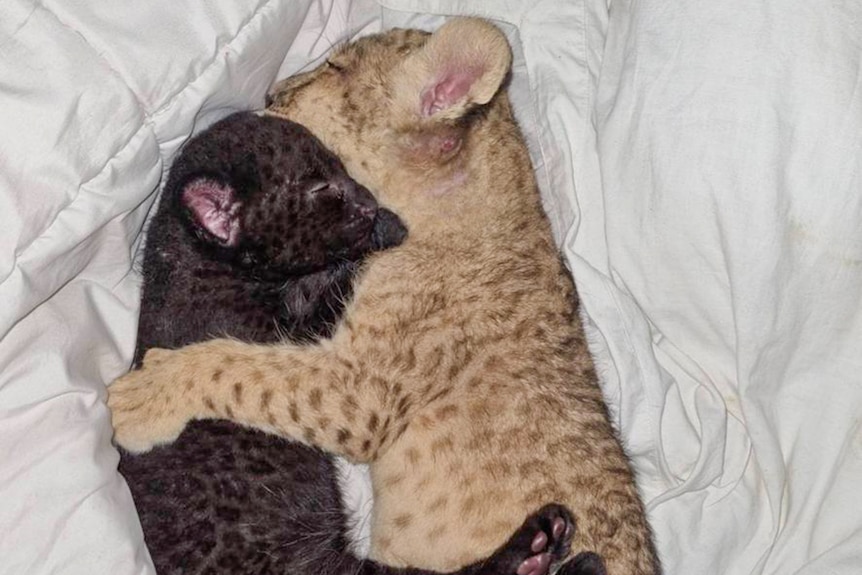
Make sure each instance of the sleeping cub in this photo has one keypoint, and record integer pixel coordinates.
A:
(258, 237)
(460, 371)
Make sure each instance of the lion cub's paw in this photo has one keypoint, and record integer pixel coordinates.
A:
(141, 412)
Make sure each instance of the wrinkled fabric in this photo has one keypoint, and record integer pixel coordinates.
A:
(699, 162)
(96, 100)
(701, 165)
(730, 145)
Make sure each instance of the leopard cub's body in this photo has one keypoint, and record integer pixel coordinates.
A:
(460, 371)
(258, 236)
(225, 498)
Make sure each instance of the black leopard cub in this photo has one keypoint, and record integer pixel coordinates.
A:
(258, 236)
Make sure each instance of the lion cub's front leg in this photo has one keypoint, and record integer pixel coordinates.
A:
(313, 394)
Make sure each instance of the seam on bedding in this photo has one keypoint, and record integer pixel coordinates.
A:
(93, 49)
(23, 249)
(534, 109)
(148, 116)
(169, 100)
(148, 123)
(172, 99)
(438, 10)
(656, 453)
(16, 268)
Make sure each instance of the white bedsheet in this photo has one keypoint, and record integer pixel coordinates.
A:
(730, 140)
(700, 162)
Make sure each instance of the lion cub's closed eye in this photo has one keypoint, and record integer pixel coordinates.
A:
(460, 371)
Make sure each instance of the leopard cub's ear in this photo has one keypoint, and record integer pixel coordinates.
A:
(213, 210)
(462, 65)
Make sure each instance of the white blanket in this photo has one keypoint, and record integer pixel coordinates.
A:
(700, 162)
(730, 145)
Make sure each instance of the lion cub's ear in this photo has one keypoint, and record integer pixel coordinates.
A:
(462, 65)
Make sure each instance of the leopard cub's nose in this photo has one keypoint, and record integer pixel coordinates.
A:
(365, 202)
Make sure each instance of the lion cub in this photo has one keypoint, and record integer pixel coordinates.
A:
(460, 371)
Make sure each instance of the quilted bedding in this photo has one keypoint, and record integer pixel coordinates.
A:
(702, 166)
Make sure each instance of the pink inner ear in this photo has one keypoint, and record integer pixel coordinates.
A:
(215, 208)
(448, 90)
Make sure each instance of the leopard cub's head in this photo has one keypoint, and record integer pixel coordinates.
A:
(266, 195)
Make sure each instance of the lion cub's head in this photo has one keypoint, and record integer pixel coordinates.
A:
(399, 107)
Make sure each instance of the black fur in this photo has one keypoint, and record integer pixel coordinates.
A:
(303, 226)
(258, 236)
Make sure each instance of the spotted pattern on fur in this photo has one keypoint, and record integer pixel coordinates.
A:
(229, 499)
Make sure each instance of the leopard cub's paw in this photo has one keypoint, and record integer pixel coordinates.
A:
(553, 528)
(539, 545)
(141, 417)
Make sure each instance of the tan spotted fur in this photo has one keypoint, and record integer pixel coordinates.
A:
(460, 371)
